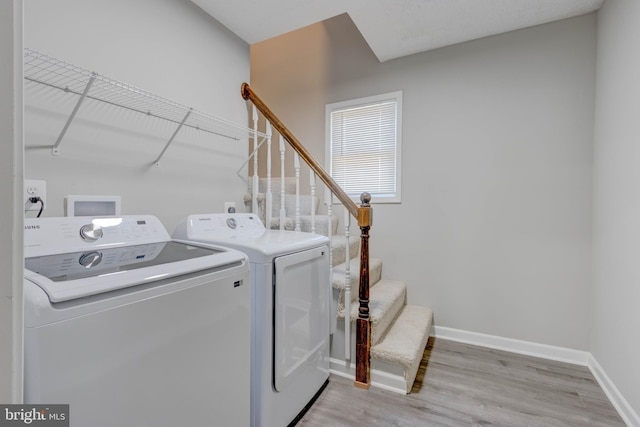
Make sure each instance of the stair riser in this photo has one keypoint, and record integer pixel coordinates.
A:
(383, 309)
(375, 273)
(338, 249)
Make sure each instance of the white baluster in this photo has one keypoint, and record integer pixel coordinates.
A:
(268, 195)
(254, 192)
(296, 165)
(334, 314)
(312, 184)
(283, 210)
(330, 229)
(347, 288)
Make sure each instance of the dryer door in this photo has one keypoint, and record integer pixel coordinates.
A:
(301, 316)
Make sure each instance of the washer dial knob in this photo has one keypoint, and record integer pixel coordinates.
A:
(91, 232)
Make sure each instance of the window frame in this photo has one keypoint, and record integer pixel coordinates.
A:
(396, 96)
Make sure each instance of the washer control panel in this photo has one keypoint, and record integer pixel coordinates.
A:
(44, 236)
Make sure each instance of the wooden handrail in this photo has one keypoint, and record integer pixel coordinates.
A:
(250, 95)
(364, 216)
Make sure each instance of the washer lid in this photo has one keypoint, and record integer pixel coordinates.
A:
(79, 274)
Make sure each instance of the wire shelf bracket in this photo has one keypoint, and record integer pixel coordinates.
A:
(157, 161)
(56, 147)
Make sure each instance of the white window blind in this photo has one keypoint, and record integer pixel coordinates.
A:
(364, 146)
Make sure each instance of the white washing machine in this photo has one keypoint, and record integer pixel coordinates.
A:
(290, 310)
(131, 328)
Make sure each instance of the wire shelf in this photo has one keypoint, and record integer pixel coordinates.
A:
(55, 73)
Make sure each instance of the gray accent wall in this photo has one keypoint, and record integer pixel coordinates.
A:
(494, 229)
(616, 290)
(168, 47)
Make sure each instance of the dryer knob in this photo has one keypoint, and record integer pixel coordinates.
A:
(90, 259)
(91, 232)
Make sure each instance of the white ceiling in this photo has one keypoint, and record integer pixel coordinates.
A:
(394, 28)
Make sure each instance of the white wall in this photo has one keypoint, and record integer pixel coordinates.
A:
(616, 291)
(168, 47)
(11, 169)
(494, 231)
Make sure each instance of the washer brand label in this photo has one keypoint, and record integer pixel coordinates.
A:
(32, 227)
(34, 415)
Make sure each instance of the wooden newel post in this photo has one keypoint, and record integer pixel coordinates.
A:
(363, 343)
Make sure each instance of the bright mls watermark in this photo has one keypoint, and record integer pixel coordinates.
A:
(34, 415)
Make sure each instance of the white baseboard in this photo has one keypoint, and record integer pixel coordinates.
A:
(379, 379)
(562, 354)
(628, 415)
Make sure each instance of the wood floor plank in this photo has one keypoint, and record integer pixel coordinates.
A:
(464, 385)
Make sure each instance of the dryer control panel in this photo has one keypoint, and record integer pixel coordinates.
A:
(237, 225)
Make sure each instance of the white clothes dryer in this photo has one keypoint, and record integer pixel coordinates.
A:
(132, 328)
(290, 300)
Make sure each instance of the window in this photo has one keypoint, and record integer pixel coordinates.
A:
(363, 144)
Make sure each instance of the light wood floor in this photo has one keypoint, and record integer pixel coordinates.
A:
(465, 385)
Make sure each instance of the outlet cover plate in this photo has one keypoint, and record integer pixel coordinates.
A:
(34, 188)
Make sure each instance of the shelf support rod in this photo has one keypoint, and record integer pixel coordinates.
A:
(157, 162)
(56, 150)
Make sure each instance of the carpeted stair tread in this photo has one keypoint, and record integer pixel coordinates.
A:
(289, 224)
(339, 279)
(339, 273)
(289, 185)
(322, 224)
(405, 340)
(386, 299)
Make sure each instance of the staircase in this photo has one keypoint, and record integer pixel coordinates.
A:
(399, 332)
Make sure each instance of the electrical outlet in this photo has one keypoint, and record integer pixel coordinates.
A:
(34, 188)
(229, 207)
